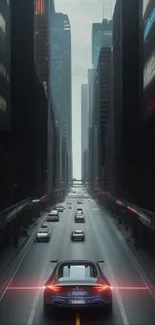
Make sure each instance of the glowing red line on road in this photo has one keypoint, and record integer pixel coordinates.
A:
(26, 288)
(129, 288)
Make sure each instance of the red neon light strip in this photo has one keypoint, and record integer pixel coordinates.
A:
(41, 4)
(36, 7)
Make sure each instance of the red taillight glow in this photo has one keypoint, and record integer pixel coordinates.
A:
(52, 288)
(103, 288)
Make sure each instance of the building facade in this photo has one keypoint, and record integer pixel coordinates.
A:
(61, 85)
(44, 11)
(91, 74)
(84, 129)
(6, 160)
(41, 40)
(100, 37)
(146, 161)
(126, 95)
(4, 65)
(101, 109)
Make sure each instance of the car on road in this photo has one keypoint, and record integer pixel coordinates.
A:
(44, 225)
(79, 217)
(53, 215)
(60, 208)
(78, 285)
(79, 202)
(43, 235)
(79, 210)
(77, 235)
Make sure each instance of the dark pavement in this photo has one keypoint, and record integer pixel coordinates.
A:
(102, 242)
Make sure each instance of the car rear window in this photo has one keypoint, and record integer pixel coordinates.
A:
(77, 271)
(54, 212)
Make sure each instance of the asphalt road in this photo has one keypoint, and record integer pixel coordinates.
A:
(102, 242)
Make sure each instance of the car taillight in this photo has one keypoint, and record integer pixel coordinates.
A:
(53, 288)
(101, 285)
(103, 288)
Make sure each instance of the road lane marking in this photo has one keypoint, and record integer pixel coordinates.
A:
(78, 320)
(35, 303)
(116, 293)
(95, 209)
(20, 262)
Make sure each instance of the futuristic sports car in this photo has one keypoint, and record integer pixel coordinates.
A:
(77, 284)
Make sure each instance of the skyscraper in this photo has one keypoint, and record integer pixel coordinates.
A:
(4, 65)
(84, 129)
(61, 84)
(99, 33)
(126, 95)
(91, 73)
(5, 114)
(41, 40)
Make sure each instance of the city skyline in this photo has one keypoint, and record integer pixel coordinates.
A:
(82, 14)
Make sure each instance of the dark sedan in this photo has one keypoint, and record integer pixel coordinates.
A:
(77, 285)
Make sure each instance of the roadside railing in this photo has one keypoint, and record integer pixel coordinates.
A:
(10, 213)
(140, 221)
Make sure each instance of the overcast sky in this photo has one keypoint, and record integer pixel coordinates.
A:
(81, 13)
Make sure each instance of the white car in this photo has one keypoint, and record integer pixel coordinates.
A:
(43, 235)
(60, 208)
(53, 216)
(77, 235)
(79, 218)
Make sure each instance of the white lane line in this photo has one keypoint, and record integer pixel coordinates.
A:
(19, 264)
(134, 261)
(121, 306)
(116, 293)
(94, 209)
(35, 303)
